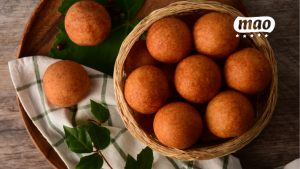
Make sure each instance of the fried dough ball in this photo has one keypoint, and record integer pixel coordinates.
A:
(169, 70)
(169, 40)
(198, 79)
(146, 89)
(177, 125)
(139, 56)
(214, 35)
(229, 114)
(66, 83)
(247, 71)
(145, 121)
(87, 23)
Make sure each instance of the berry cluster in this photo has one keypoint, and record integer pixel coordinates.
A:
(117, 11)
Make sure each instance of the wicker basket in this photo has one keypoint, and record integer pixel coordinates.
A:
(265, 103)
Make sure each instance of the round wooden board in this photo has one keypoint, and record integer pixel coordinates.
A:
(38, 38)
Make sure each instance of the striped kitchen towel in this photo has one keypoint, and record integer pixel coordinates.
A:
(27, 76)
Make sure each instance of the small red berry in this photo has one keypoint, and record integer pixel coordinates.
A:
(117, 10)
(111, 1)
(109, 7)
(59, 46)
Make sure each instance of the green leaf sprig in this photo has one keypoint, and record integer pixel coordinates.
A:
(84, 138)
(144, 160)
(101, 57)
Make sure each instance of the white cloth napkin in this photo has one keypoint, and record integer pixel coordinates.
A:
(27, 76)
(292, 165)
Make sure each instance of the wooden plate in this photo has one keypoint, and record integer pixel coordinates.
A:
(37, 39)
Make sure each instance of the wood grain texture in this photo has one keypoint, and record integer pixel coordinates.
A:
(278, 143)
(16, 148)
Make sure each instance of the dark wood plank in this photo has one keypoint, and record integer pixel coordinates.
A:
(16, 149)
(278, 143)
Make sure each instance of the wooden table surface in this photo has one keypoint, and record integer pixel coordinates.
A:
(277, 145)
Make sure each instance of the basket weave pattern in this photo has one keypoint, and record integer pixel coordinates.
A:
(264, 107)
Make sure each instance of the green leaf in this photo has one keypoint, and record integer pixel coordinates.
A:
(99, 111)
(66, 4)
(144, 36)
(101, 57)
(130, 163)
(84, 127)
(78, 139)
(94, 161)
(100, 136)
(145, 159)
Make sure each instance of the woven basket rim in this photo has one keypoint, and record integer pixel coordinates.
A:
(184, 7)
